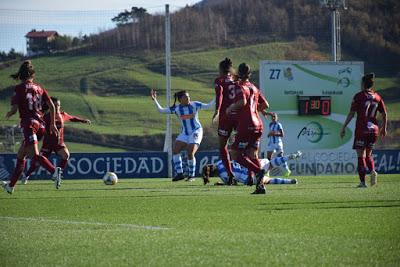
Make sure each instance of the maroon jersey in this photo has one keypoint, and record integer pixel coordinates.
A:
(60, 118)
(249, 120)
(29, 97)
(225, 92)
(366, 104)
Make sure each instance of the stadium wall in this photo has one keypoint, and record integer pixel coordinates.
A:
(154, 164)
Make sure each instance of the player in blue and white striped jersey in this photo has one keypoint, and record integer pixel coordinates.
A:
(242, 173)
(191, 130)
(275, 143)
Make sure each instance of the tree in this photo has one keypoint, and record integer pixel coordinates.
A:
(62, 42)
(132, 16)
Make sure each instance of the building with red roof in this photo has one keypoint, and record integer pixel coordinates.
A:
(40, 42)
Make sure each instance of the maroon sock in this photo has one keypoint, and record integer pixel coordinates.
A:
(370, 163)
(45, 163)
(33, 167)
(246, 162)
(361, 169)
(19, 169)
(224, 155)
(62, 163)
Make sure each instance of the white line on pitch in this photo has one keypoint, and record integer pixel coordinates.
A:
(78, 222)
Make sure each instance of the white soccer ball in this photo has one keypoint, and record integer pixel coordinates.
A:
(110, 178)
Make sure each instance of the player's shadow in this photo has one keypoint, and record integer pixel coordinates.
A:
(324, 205)
(104, 197)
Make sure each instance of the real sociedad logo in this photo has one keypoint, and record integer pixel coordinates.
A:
(344, 77)
(313, 132)
(288, 74)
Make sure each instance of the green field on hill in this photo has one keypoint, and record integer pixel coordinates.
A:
(117, 101)
(322, 221)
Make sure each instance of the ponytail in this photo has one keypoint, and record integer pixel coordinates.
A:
(225, 66)
(178, 96)
(173, 106)
(25, 71)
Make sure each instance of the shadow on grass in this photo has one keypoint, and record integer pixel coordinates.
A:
(324, 205)
(100, 197)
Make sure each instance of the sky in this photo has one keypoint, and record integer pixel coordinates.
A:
(72, 17)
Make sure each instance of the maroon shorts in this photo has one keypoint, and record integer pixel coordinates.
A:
(365, 141)
(226, 125)
(33, 131)
(47, 149)
(246, 140)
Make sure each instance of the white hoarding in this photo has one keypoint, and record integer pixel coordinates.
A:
(312, 100)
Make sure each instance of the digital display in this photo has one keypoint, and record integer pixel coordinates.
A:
(314, 105)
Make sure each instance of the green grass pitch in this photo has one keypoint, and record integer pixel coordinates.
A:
(322, 221)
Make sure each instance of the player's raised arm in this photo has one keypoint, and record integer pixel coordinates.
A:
(160, 109)
(71, 118)
(207, 106)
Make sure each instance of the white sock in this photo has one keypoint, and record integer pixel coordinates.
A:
(192, 167)
(177, 159)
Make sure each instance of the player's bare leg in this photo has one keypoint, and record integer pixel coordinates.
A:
(191, 151)
(287, 171)
(64, 154)
(371, 166)
(64, 157)
(361, 167)
(177, 160)
(269, 157)
(19, 168)
(225, 157)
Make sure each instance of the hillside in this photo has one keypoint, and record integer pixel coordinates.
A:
(117, 100)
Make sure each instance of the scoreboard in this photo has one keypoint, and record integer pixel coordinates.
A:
(312, 100)
(314, 105)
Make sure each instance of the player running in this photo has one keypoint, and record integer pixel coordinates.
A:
(53, 143)
(191, 130)
(242, 174)
(250, 127)
(366, 104)
(28, 100)
(225, 92)
(275, 143)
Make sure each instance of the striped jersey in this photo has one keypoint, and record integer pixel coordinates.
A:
(188, 115)
(276, 127)
(241, 173)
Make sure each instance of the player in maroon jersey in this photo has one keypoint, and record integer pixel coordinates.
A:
(366, 104)
(225, 91)
(52, 142)
(28, 100)
(250, 127)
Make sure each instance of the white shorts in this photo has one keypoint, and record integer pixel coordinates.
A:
(265, 164)
(277, 147)
(193, 138)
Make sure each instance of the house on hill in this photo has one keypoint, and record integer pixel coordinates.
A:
(40, 42)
